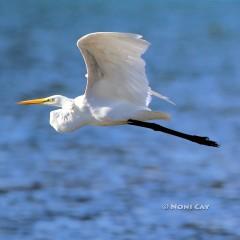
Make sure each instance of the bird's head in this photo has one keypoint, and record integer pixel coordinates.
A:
(55, 100)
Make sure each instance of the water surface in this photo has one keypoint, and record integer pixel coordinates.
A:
(111, 183)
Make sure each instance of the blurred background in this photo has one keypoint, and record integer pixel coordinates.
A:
(112, 183)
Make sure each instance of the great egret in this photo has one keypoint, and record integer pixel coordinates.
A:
(117, 90)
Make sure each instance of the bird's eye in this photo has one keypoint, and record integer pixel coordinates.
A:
(50, 100)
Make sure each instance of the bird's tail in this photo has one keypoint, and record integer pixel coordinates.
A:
(156, 94)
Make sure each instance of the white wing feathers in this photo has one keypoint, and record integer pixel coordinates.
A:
(115, 69)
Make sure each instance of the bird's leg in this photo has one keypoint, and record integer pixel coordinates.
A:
(156, 127)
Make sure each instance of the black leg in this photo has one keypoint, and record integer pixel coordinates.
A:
(156, 127)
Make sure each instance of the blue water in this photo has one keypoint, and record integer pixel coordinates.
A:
(112, 183)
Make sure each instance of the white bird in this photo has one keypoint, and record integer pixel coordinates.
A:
(117, 90)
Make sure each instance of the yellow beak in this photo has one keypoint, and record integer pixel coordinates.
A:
(33, 101)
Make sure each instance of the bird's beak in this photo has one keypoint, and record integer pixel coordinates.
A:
(34, 101)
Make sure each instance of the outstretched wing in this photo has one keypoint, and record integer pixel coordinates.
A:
(115, 69)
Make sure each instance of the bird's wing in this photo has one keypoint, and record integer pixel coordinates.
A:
(115, 69)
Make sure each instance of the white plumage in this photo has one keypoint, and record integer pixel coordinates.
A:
(117, 86)
(117, 90)
(115, 69)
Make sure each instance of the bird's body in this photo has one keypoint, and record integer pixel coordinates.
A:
(78, 112)
(117, 86)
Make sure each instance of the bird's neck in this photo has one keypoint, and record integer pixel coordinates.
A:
(64, 102)
(80, 101)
